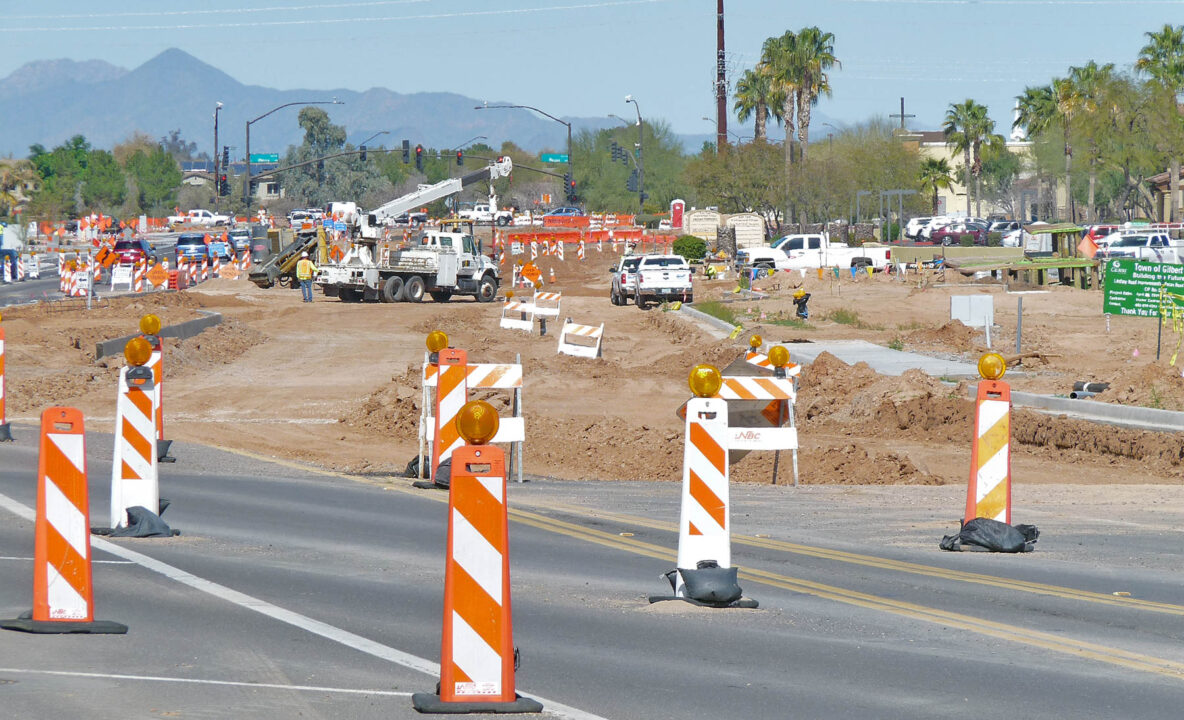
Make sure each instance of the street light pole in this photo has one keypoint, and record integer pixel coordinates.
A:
(217, 176)
(247, 184)
(640, 162)
(570, 169)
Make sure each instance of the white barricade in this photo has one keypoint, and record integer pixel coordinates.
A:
(581, 340)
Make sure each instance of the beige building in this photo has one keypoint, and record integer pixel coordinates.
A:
(952, 200)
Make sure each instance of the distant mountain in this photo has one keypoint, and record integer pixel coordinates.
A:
(174, 90)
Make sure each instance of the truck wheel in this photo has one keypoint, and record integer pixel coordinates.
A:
(486, 290)
(413, 289)
(441, 296)
(642, 303)
(392, 289)
(612, 298)
(503, 221)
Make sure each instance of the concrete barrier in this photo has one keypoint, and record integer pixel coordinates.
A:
(181, 331)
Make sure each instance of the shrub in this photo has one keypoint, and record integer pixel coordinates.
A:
(690, 247)
(966, 240)
(995, 239)
(891, 232)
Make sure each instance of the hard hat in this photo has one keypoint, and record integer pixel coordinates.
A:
(304, 254)
(799, 293)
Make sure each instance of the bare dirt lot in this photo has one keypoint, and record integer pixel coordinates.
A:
(337, 384)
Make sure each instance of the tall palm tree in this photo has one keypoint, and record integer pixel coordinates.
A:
(1093, 83)
(777, 62)
(753, 94)
(1162, 59)
(966, 128)
(1037, 113)
(814, 55)
(1067, 97)
(934, 176)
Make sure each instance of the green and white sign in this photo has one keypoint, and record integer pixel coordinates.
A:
(265, 157)
(1132, 287)
(553, 157)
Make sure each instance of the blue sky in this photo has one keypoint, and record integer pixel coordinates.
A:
(581, 57)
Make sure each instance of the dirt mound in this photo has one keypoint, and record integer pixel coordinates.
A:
(220, 345)
(605, 449)
(391, 410)
(720, 353)
(951, 337)
(676, 331)
(834, 465)
(1150, 385)
(30, 395)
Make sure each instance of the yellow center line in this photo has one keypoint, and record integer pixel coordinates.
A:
(889, 564)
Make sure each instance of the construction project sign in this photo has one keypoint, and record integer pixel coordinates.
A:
(1132, 287)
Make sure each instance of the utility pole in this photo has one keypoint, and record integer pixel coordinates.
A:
(902, 116)
(721, 81)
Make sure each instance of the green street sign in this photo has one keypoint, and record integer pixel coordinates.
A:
(1131, 287)
(553, 157)
(265, 157)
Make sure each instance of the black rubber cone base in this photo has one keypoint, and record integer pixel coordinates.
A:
(428, 485)
(26, 623)
(5, 432)
(162, 451)
(432, 704)
(744, 603)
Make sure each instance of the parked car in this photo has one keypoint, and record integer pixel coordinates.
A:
(912, 229)
(192, 246)
(623, 273)
(240, 238)
(133, 250)
(1004, 226)
(952, 234)
(564, 212)
(1097, 232)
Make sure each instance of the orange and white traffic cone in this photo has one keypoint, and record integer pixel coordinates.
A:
(477, 641)
(452, 393)
(134, 479)
(551, 278)
(63, 595)
(150, 327)
(988, 493)
(5, 429)
(704, 574)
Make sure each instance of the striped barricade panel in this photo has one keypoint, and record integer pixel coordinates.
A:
(989, 491)
(517, 315)
(483, 376)
(581, 340)
(762, 360)
(546, 304)
(757, 388)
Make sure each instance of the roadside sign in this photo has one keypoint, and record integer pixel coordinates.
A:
(1131, 287)
(265, 157)
(553, 157)
(531, 272)
(157, 275)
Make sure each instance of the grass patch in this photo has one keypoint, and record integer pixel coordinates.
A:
(843, 316)
(716, 309)
(911, 326)
(1156, 399)
(896, 344)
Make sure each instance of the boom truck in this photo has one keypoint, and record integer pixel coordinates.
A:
(440, 264)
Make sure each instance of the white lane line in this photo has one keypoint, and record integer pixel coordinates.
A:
(316, 627)
(199, 681)
(104, 562)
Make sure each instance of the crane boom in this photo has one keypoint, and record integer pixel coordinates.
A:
(425, 194)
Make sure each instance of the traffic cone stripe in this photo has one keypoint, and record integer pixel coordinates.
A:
(133, 437)
(989, 494)
(694, 530)
(156, 362)
(708, 500)
(473, 602)
(709, 449)
(473, 658)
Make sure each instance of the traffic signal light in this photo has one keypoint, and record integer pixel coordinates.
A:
(571, 191)
(631, 183)
(615, 151)
(362, 155)
(223, 185)
(460, 157)
(225, 156)
(406, 152)
(419, 158)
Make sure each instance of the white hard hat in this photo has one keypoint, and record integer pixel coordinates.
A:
(304, 254)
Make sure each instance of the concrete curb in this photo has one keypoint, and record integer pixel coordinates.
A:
(1125, 415)
(180, 331)
(709, 319)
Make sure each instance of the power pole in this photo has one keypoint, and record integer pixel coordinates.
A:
(902, 116)
(721, 81)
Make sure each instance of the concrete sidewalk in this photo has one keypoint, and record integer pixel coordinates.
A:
(881, 359)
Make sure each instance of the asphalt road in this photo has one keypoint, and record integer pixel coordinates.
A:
(298, 593)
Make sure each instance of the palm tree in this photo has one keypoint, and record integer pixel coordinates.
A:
(934, 176)
(1067, 97)
(753, 94)
(966, 128)
(1037, 113)
(814, 54)
(1093, 84)
(777, 56)
(1162, 59)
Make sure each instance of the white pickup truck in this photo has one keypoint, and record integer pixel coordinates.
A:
(487, 213)
(796, 252)
(1154, 246)
(662, 278)
(201, 218)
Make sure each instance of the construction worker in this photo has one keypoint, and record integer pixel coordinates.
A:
(800, 298)
(304, 272)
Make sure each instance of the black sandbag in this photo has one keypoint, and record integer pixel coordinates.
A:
(709, 583)
(993, 535)
(142, 522)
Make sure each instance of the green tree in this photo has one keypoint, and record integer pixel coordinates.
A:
(1094, 83)
(1037, 113)
(813, 56)
(778, 64)
(1162, 59)
(321, 181)
(1067, 96)
(602, 182)
(754, 92)
(103, 183)
(968, 128)
(157, 178)
(934, 176)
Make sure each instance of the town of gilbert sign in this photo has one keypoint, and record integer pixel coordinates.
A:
(1131, 287)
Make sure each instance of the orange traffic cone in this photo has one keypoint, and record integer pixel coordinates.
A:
(552, 277)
